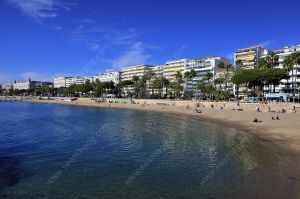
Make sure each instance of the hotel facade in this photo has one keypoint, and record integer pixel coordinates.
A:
(286, 89)
(129, 72)
(25, 85)
(250, 56)
(68, 81)
(202, 66)
(108, 77)
(171, 68)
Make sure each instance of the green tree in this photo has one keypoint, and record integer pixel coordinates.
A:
(98, 88)
(239, 64)
(209, 76)
(255, 78)
(295, 58)
(177, 84)
(123, 85)
(159, 83)
(288, 66)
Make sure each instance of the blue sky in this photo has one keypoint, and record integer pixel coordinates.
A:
(44, 38)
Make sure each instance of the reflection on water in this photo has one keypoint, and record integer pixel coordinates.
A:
(94, 153)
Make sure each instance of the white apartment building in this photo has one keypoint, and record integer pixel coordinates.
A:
(108, 77)
(129, 72)
(202, 66)
(59, 82)
(171, 68)
(158, 70)
(250, 56)
(284, 90)
(68, 81)
(8, 86)
(76, 80)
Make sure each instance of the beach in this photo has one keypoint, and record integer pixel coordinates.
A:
(283, 133)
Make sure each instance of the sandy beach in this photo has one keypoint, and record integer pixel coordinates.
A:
(283, 133)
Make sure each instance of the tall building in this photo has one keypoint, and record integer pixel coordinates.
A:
(202, 66)
(250, 56)
(59, 82)
(171, 68)
(129, 72)
(285, 89)
(108, 77)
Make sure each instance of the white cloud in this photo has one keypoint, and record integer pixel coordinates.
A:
(40, 9)
(134, 56)
(36, 76)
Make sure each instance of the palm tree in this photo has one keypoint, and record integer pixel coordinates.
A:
(189, 75)
(272, 59)
(288, 66)
(135, 78)
(178, 77)
(149, 74)
(209, 76)
(221, 66)
(177, 84)
(239, 64)
(219, 81)
(228, 67)
(160, 83)
(290, 62)
(262, 63)
(295, 57)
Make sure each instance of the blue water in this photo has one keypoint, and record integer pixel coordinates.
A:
(56, 151)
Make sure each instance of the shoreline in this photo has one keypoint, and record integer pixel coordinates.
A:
(282, 134)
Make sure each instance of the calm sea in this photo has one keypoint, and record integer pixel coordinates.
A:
(56, 151)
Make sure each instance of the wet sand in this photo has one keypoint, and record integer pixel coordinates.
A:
(283, 134)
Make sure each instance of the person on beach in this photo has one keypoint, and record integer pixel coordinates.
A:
(294, 109)
(257, 121)
(277, 118)
(257, 109)
(238, 106)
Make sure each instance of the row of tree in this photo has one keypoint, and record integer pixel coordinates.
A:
(267, 73)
